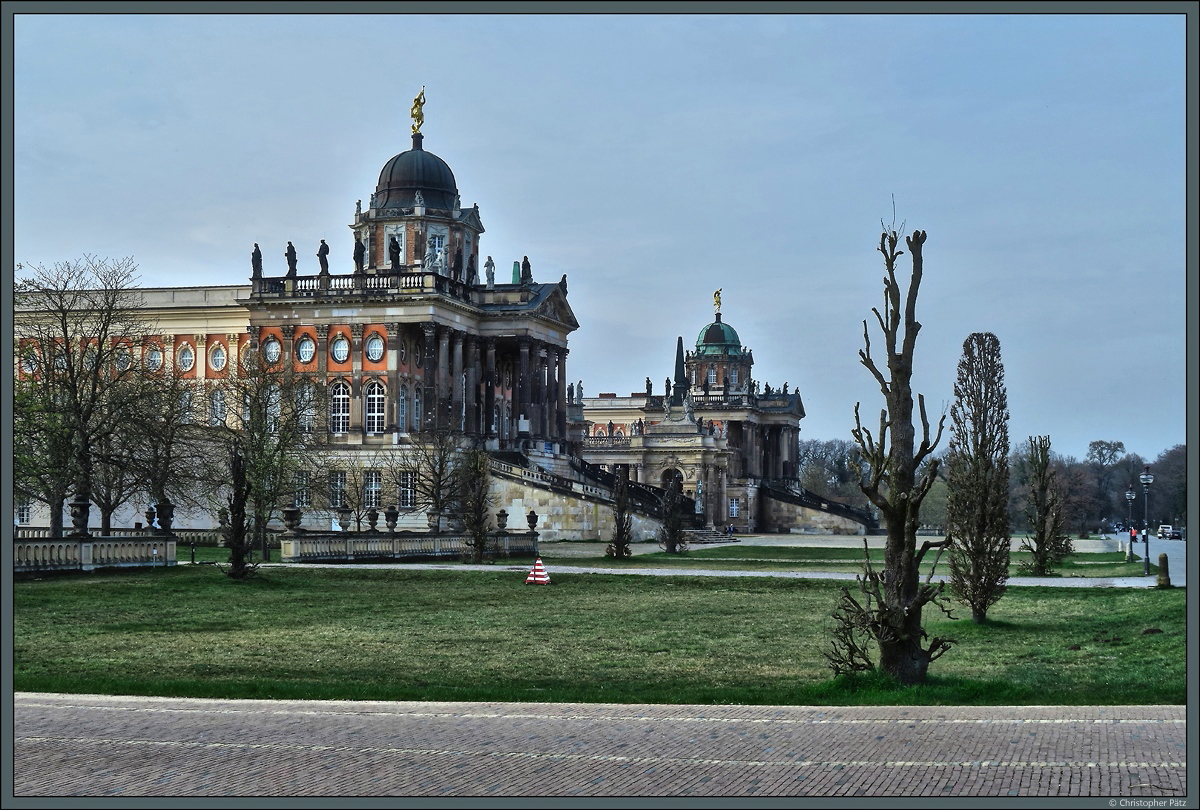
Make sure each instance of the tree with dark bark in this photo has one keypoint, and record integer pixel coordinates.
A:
(173, 433)
(43, 450)
(436, 458)
(622, 519)
(670, 536)
(476, 502)
(977, 478)
(1047, 545)
(239, 537)
(272, 433)
(894, 597)
(83, 319)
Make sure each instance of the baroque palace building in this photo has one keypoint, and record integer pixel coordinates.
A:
(417, 334)
(723, 434)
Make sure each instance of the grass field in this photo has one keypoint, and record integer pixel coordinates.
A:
(773, 558)
(395, 634)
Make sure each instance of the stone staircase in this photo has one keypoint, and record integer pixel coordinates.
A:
(703, 536)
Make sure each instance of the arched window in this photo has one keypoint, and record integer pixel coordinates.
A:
(376, 403)
(185, 406)
(216, 407)
(339, 408)
(402, 410)
(496, 418)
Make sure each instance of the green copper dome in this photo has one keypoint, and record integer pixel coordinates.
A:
(718, 338)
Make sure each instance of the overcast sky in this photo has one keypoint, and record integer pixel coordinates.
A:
(654, 159)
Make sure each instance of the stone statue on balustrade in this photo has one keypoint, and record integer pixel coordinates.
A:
(667, 388)
(489, 267)
(472, 272)
(526, 271)
(649, 388)
(290, 255)
(323, 257)
(256, 262)
(360, 254)
(431, 256)
(570, 386)
(394, 254)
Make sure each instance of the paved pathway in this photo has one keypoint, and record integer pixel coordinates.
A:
(87, 745)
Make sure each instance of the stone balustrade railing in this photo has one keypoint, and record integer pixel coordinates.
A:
(31, 555)
(308, 546)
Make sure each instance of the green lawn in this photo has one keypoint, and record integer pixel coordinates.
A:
(343, 633)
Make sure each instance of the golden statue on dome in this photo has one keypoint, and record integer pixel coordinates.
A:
(418, 116)
(717, 300)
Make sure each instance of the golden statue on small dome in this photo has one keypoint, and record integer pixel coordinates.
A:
(717, 300)
(418, 116)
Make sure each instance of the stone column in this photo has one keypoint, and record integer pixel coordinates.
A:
(443, 378)
(552, 393)
(457, 398)
(429, 397)
(394, 335)
(522, 409)
(289, 334)
(561, 392)
(472, 392)
(322, 349)
(233, 356)
(201, 355)
(489, 388)
(356, 388)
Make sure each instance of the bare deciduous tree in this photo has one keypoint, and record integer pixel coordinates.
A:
(83, 319)
(895, 596)
(977, 477)
(1047, 545)
(622, 518)
(436, 457)
(476, 502)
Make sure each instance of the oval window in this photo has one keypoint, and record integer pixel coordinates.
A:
(154, 358)
(217, 357)
(375, 348)
(305, 350)
(272, 350)
(340, 349)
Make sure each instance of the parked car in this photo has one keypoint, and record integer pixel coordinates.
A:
(1176, 534)
(1164, 531)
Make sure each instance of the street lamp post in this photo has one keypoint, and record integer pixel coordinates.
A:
(1129, 496)
(1147, 479)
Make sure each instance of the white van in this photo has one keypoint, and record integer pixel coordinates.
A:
(1164, 531)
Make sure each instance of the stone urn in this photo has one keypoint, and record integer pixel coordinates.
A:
(291, 519)
(373, 518)
(532, 519)
(434, 521)
(80, 507)
(390, 516)
(502, 520)
(344, 518)
(166, 514)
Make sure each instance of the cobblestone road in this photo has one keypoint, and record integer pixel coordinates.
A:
(85, 745)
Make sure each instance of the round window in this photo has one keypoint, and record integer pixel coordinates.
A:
(305, 349)
(186, 358)
(340, 349)
(122, 358)
(375, 348)
(29, 362)
(154, 358)
(217, 357)
(272, 350)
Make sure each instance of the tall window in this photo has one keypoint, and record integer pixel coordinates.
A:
(303, 496)
(372, 488)
(376, 402)
(712, 375)
(733, 376)
(306, 408)
(339, 408)
(274, 407)
(24, 509)
(402, 409)
(216, 407)
(407, 481)
(337, 489)
(735, 507)
(418, 403)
